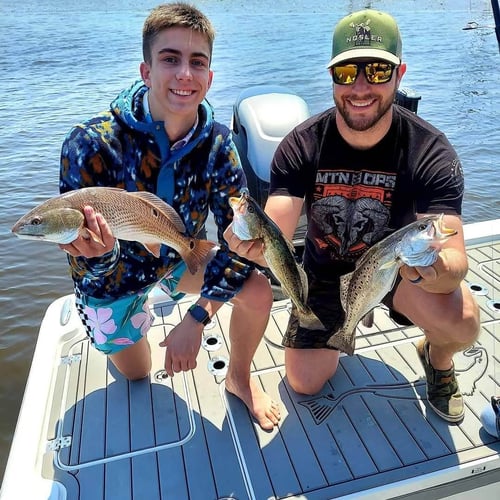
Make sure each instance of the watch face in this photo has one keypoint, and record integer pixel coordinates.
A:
(199, 314)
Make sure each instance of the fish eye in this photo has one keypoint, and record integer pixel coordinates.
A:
(421, 227)
(251, 209)
(36, 221)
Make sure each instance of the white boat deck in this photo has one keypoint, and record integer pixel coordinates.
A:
(86, 433)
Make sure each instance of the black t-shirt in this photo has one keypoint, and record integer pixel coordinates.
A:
(356, 197)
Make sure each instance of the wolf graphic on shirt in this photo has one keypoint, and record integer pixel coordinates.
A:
(350, 225)
(348, 219)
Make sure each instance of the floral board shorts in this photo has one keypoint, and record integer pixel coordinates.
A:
(324, 300)
(113, 324)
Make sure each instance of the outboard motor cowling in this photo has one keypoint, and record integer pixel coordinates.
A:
(262, 116)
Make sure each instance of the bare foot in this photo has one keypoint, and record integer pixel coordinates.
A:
(260, 405)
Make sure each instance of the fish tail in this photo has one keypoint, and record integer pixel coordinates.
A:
(343, 341)
(196, 254)
(367, 320)
(309, 320)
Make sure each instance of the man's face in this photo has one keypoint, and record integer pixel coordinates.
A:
(179, 74)
(362, 105)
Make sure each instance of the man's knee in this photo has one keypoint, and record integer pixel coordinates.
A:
(471, 323)
(305, 386)
(460, 325)
(309, 370)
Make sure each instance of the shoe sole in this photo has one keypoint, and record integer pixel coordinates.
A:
(445, 416)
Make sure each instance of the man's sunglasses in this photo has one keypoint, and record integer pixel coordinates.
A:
(375, 72)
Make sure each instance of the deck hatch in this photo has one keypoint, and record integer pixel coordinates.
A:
(88, 404)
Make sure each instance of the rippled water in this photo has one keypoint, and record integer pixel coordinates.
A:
(65, 60)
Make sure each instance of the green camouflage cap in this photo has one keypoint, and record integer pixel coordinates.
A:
(367, 33)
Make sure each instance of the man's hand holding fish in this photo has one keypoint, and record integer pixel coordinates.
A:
(450, 267)
(251, 223)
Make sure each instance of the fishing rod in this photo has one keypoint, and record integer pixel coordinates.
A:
(496, 16)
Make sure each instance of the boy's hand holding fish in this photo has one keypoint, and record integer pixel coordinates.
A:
(252, 250)
(89, 247)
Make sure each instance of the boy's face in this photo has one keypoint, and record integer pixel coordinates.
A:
(179, 75)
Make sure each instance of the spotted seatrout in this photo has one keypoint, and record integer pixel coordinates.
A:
(416, 244)
(250, 222)
(134, 216)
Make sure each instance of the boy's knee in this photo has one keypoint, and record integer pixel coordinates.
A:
(134, 376)
(259, 291)
(133, 373)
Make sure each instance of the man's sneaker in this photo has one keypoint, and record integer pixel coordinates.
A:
(443, 393)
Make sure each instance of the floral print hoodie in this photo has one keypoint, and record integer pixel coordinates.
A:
(121, 148)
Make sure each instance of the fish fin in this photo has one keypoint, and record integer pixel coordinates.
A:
(367, 320)
(289, 244)
(197, 253)
(163, 207)
(394, 280)
(342, 341)
(309, 320)
(90, 235)
(304, 282)
(304, 286)
(107, 188)
(153, 248)
(345, 279)
(389, 264)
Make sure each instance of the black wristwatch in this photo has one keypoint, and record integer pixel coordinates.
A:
(199, 314)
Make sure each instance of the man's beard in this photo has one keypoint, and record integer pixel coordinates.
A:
(362, 124)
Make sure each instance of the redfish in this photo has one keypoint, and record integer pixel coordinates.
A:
(134, 216)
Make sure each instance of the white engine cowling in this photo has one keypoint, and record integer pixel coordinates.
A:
(262, 116)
